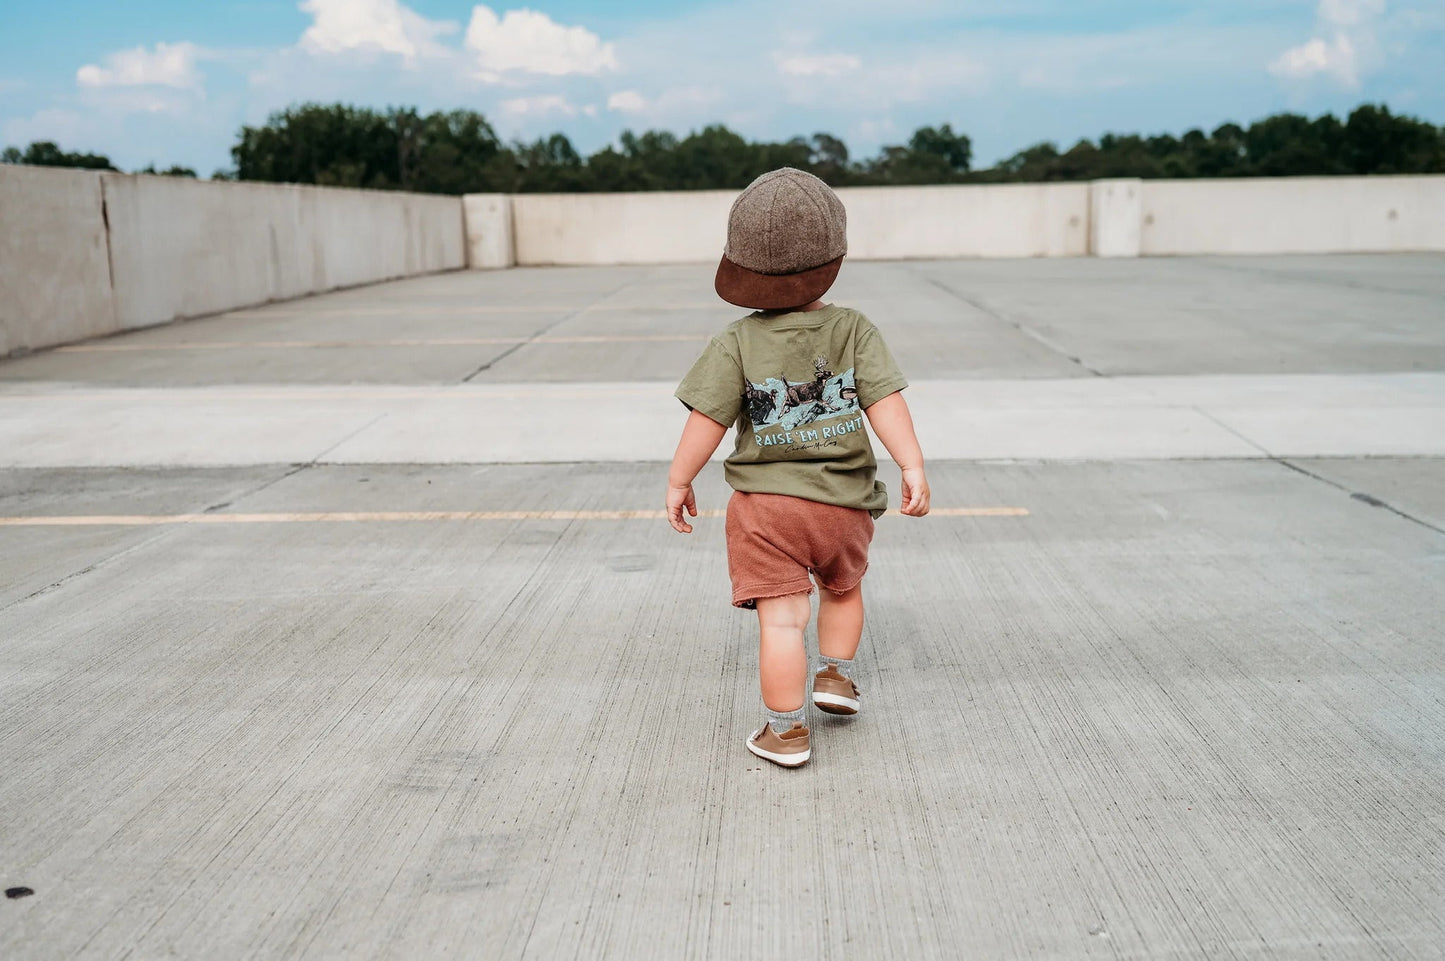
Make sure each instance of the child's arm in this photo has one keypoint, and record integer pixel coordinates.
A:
(891, 421)
(700, 437)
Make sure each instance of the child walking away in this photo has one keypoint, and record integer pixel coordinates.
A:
(797, 377)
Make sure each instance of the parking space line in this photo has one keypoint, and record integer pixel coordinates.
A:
(335, 517)
(410, 310)
(390, 342)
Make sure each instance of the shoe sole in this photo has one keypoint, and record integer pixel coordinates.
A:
(835, 703)
(782, 760)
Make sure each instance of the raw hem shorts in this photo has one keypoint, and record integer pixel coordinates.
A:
(776, 541)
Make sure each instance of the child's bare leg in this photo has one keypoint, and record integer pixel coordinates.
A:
(782, 659)
(840, 624)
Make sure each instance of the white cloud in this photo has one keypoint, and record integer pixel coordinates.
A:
(627, 101)
(819, 65)
(169, 65)
(1346, 13)
(891, 77)
(538, 106)
(674, 105)
(526, 41)
(1335, 56)
(386, 25)
(1344, 38)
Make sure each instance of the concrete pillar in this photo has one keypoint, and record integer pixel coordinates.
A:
(1116, 210)
(489, 231)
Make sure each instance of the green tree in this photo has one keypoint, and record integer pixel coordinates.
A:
(550, 165)
(828, 158)
(176, 170)
(44, 153)
(933, 156)
(339, 145)
(1030, 164)
(335, 145)
(955, 149)
(610, 169)
(1289, 144)
(459, 152)
(1376, 142)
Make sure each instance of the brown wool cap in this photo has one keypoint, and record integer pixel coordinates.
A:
(787, 235)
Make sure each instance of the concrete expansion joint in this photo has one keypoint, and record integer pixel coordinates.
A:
(541, 332)
(291, 471)
(91, 568)
(1202, 412)
(1029, 332)
(362, 429)
(1361, 496)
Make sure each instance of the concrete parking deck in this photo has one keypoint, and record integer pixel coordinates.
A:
(346, 628)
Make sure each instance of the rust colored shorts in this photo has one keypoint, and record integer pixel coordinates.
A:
(776, 541)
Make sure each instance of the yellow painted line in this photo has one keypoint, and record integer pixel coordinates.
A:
(333, 517)
(207, 396)
(397, 342)
(410, 309)
(322, 395)
(619, 339)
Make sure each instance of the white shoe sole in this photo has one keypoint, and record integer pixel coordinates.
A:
(840, 704)
(783, 760)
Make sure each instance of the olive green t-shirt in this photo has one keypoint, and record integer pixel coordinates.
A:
(795, 385)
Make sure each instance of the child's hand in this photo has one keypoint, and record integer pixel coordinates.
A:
(677, 499)
(915, 492)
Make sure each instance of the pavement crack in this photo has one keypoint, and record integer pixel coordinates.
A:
(88, 569)
(1225, 427)
(291, 472)
(317, 459)
(1360, 496)
(1023, 329)
(542, 332)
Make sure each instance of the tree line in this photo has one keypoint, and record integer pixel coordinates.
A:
(458, 151)
(45, 153)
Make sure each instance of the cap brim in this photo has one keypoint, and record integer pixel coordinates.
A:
(747, 288)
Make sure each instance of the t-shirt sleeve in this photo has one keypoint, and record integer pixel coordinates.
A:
(876, 374)
(714, 386)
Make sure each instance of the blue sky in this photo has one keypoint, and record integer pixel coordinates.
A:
(167, 81)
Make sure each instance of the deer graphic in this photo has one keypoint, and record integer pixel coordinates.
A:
(800, 395)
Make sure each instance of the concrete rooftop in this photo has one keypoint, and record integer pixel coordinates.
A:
(343, 628)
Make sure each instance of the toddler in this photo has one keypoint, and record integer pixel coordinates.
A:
(797, 377)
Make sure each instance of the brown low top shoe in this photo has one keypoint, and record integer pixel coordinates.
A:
(789, 749)
(834, 693)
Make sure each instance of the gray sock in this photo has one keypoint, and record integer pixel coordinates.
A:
(781, 721)
(844, 665)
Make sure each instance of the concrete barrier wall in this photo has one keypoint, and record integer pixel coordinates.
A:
(1008, 220)
(884, 223)
(662, 227)
(184, 248)
(1292, 215)
(84, 253)
(54, 274)
(1106, 218)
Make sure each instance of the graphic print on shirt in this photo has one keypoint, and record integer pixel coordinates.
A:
(789, 404)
